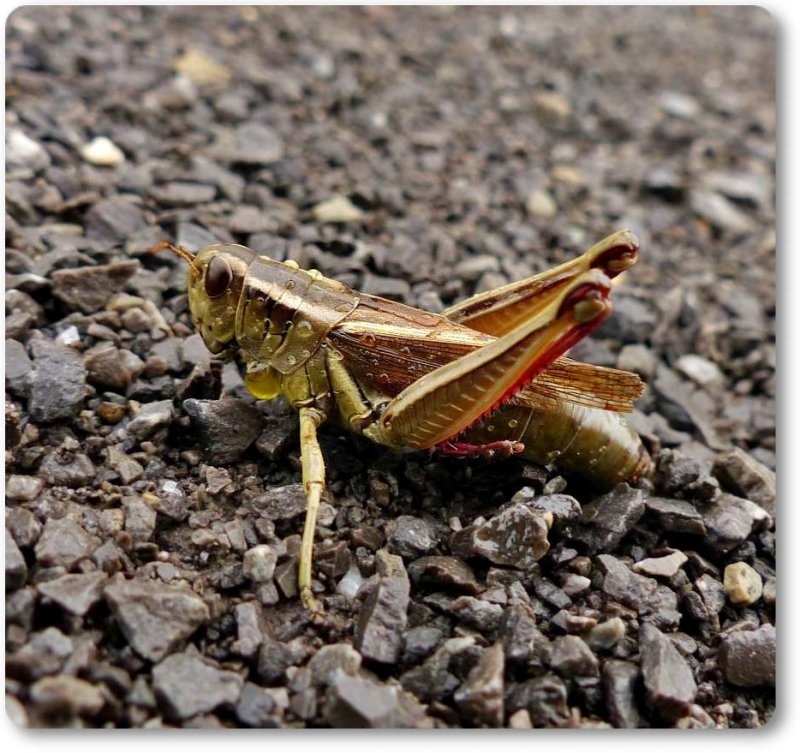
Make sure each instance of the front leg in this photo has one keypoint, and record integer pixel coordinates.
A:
(313, 484)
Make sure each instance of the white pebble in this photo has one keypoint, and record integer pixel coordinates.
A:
(69, 336)
(348, 586)
(259, 563)
(699, 369)
(21, 149)
(337, 209)
(102, 152)
(541, 204)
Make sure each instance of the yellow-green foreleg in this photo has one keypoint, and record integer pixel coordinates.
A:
(314, 484)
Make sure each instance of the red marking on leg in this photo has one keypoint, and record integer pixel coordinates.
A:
(556, 349)
(502, 448)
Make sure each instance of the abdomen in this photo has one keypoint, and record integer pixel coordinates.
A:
(596, 443)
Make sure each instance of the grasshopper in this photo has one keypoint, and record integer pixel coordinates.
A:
(486, 378)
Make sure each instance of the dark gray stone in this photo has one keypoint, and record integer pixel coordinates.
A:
(183, 193)
(257, 708)
(57, 384)
(105, 368)
(748, 189)
(544, 698)
(44, 654)
(129, 470)
(229, 183)
(22, 523)
(620, 689)
(140, 518)
(551, 593)
(607, 519)
(633, 321)
(195, 351)
(88, 289)
(151, 418)
(114, 220)
(711, 592)
(409, 536)
(687, 409)
(154, 617)
(625, 586)
(228, 426)
(564, 508)
(274, 658)
(664, 182)
(449, 572)
(745, 476)
(675, 515)
(434, 679)
(278, 436)
(63, 543)
(520, 636)
(18, 368)
(186, 685)
(77, 593)
(480, 697)
(16, 567)
(383, 617)
(252, 143)
(170, 351)
(281, 502)
(194, 237)
(515, 537)
(720, 212)
(333, 559)
(747, 657)
(355, 702)
(668, 680)
(172, 501)
(688, 478)
(67, 469)
(419, 642)
(729, 520)
(571, 657)
(286, 578)
(396, 289)
(481, 615)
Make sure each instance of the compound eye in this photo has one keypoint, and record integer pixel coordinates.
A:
(218, 277)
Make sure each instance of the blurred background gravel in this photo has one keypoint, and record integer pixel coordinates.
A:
(423, 155)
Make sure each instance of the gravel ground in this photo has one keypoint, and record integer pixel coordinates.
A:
(152, 529)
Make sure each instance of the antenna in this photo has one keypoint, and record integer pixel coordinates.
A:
(184, 253)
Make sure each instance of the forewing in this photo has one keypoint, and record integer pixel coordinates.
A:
(584, 384)
(391, 345)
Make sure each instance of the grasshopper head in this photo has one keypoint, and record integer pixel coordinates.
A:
(216, 279)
